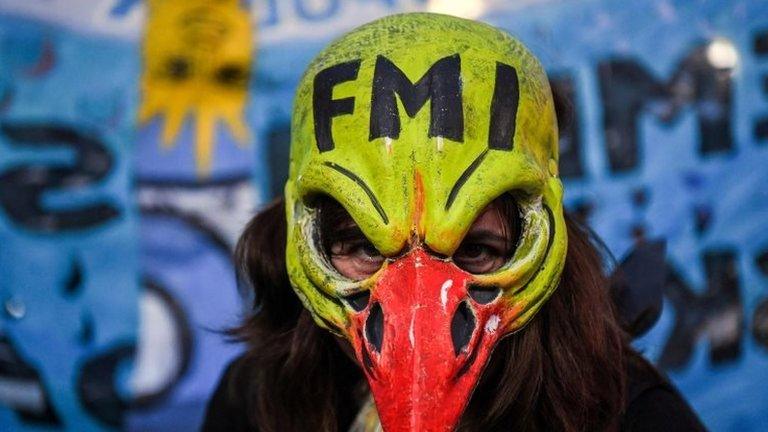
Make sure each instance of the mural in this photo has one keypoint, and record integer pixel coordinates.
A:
(194, 164)
(129, 160)
(137, 186)
(69, 312)
(197, 64)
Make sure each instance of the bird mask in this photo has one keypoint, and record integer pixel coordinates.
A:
(414, 124)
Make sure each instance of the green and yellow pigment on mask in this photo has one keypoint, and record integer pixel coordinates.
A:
(415, 123)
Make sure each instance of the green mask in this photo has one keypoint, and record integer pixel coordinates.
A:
(414, 124)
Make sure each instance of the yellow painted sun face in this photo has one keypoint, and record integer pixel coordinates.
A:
(197, 64)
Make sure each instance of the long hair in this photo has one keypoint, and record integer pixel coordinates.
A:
(564, 371)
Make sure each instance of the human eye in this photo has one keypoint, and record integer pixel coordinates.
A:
(479, 257)
(490, 240)
(349, 251)
(357, 246)
(356, 257)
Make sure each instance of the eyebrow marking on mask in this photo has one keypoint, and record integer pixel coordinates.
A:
(355, 178)
(463, 178)
(551, 219)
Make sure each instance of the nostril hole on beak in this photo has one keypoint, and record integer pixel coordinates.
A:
(462, 327)
(358, 301)
(484, 294)
(374, 327)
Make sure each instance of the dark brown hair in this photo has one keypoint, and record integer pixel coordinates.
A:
(565, 371)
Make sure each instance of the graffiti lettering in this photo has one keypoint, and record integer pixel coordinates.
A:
(315, 13)
(564, 92)
(97, 382)
(274, 12)
(30, 398)
(760, 316)
(22, 187)
(760, 48)
(627, 89)
(716, 313)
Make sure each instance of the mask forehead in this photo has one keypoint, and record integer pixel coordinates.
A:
(415, 123)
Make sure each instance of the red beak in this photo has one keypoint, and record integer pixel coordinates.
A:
(423, 342)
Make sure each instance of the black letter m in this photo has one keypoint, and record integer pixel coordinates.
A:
(441, 84)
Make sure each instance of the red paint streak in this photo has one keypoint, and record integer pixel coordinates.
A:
(418, 205)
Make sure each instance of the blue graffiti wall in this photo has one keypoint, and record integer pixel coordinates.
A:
(68, 255)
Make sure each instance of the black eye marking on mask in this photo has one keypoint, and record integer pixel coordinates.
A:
(484, 294)
(471, 359)
(551, 220)
(324, 107)
(354, 177)
(462, 327)
(358, 301)
(367, 362)
(374, 327)
(463, 178)
(441, 84)
(506, 98)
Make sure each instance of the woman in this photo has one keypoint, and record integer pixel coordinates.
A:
(440, 284)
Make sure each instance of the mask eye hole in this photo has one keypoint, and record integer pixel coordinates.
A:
(462, 327)
(482, 294)
(374, 327)
(344, 244)
(491, 240)
(359, 301)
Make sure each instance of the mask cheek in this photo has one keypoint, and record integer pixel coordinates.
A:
(533, 273)
(494, 316)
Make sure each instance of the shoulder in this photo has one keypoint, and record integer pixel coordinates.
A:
(653, 403)
(226, 410)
